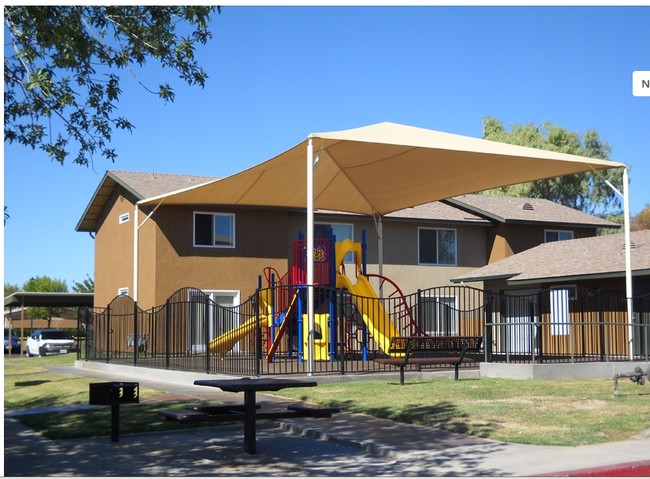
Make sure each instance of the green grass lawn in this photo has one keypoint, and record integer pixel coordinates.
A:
(566, 412)
(563, 412)
(28, 383)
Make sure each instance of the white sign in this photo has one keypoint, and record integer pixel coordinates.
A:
(641, 83)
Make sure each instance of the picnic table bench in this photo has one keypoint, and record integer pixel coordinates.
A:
(429, 350)
(249, 411)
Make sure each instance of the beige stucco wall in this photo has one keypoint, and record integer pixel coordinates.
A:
(114, 249)
(260, 241)
(508, 239)
(168, 260)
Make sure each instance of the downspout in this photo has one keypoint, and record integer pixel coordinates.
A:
(136, 244)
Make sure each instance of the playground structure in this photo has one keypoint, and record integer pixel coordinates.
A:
(348, 310)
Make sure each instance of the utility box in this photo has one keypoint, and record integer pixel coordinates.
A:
(107, 394)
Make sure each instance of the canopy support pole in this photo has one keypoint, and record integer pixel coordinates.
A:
(627, 245)
(310, 254)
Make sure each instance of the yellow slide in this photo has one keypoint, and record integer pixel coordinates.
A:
(224, 343)
(379, 324)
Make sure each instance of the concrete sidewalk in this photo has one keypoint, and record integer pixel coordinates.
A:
(344, 445)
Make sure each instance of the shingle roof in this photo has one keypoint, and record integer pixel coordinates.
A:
(436, 210)
(147, 185)
(506, 209)
(476, 209)
(595, 257)
(141, 185)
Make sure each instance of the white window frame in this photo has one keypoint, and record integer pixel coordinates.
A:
(214, 214)
(560, 297)
(124, 218)
(441, 303)
(197, 325)
(438, 263)
(559, 233)
(124, 291)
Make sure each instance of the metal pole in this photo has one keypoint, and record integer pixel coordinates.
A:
(310, 253)
(628, 256)
(628, 262)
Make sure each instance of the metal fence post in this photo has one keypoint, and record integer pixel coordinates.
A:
(167, 334)
(487, 343)
(258, 333)
(108, 332)
(206, 331)
(136, 334)
(536, 328)
(338, 297)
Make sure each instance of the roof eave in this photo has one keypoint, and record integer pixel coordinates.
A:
(474, 279)
(109, 176)
(473, 209)
(578, 277)
(48, 299)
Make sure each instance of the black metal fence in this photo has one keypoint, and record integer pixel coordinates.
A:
(270, 332)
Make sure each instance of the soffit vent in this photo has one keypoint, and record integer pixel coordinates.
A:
(632, 246)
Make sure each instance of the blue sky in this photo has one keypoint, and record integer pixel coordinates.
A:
(280, 73)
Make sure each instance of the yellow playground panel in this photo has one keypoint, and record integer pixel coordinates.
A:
(321, 325)
(366, 301)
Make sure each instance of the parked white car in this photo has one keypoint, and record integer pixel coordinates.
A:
(49, 341)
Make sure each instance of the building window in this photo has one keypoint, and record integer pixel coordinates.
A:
(440, 315)
(123, 218)
(557, 235)
(436, 246)
(560, 299)
(341, 231)
(212, 314)
(216, 230)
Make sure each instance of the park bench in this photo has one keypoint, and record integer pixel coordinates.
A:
(430, 350)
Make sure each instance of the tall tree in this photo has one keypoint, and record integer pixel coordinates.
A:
(45, 284)
(586, 192)
(11, 289)
(85, 286)
(641, 221)
(62, 63)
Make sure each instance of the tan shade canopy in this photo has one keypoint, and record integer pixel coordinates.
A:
(384, 168)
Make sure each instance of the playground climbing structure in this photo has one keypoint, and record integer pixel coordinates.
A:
(350, 318)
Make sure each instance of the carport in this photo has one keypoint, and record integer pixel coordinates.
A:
(25, 299)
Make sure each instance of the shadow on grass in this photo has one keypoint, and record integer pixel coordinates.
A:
(443, 415)
(32, 383)
(134, 418)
